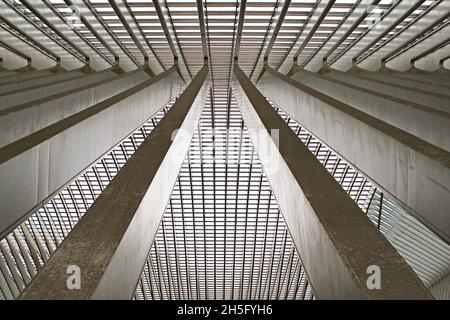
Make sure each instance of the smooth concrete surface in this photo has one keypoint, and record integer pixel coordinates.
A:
(438, 100)
(19, 121)
(11, 60)
(424, 122)
(325, 223)
(111, 242)
(414, 171)
(38, 92)
(34, 168)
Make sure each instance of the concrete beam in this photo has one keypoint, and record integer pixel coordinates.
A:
(38, 91)
(12, 59)
(97, 59)
(46, 44)
(402, 82)
(17, 78)
(111, 242)
(325, 223)
(392, 79)
(424, 122)
(87, 16)
(439, 101)
(7, 73)
(39, 80)
(433, 78)
(411, 169)
(21, 120)
(35, 167)
(35, 58)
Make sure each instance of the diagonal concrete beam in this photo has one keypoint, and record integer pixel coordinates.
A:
(411, 169)
(111, 242)
(23, 94)
(337, 243)
(438, 98)
(391, 78)
(35, 167)
(18, 121)
(424, 122)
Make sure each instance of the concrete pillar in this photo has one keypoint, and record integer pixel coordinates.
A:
(111, 242)
(411, 169)
(19, 121)
(36, 92)
(337, 243)
(424, 122)
(437, 100)
(35, 167)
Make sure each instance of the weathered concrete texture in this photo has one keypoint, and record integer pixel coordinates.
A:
(325, 223)
(424, 122)
(414, 171)
(437, 100)
(38, 92)
(111, 242)
(35, 167)
(390, 78)
(19, 121)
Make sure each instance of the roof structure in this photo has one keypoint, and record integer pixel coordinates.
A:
(223, 235)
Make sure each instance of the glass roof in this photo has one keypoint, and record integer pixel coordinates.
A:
(222, 235)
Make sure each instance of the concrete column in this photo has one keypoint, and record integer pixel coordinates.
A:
(411, 169)
(35, 167)
(424, 122)
(21, 120)
(33, 93)
(111, 242)
(437, 100)
(336, 241)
